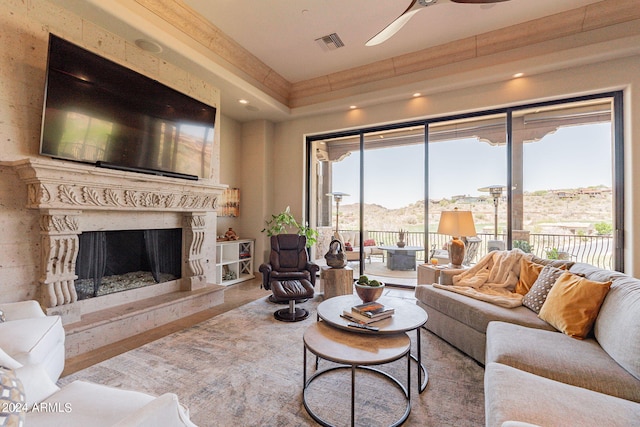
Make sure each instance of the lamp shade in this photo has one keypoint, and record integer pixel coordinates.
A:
(456, 223)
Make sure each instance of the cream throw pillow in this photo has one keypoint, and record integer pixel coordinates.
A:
(573, 303)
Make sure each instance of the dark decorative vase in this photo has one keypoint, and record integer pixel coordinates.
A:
(335, 257)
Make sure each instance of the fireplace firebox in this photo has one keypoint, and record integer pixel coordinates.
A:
(115, 261)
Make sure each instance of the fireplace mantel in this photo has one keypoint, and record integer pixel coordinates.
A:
(56, 184)
(63, 191)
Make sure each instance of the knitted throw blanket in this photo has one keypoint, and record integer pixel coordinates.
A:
(497, 268)
(492, 279)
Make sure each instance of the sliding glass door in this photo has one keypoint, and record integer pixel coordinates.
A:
(468, 164)
(563, 198)
(546, 178)
(393, 210)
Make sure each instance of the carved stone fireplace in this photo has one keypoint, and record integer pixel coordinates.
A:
(73, 198)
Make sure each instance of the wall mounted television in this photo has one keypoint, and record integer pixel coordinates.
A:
(99, 112)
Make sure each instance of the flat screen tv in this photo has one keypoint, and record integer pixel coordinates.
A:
(99, 112)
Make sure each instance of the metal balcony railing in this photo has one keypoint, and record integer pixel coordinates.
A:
(595, 250)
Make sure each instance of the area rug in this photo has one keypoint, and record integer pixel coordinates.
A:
(244, 368)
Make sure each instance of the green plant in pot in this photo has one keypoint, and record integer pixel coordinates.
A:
(369, 290)
(285, 222)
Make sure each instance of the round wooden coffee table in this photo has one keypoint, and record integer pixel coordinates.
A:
(407, 317)
(355, 351)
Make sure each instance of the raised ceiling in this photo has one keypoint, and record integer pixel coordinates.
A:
(267, 53)
(282, 33)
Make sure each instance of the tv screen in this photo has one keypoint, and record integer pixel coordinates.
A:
(97, 111)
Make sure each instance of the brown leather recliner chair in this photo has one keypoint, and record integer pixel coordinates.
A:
(289, 275)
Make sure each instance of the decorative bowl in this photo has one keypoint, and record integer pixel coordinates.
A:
(369, 293)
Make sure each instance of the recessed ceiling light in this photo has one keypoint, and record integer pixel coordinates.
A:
(148, 45)
(353, 107)
(516, 75)
(243, 101)
(417, 94)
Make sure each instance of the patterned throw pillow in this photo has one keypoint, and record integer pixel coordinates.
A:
(541, 287)
(12, 399)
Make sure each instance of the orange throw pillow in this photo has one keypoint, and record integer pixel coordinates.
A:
(529, 272)
(573, 304)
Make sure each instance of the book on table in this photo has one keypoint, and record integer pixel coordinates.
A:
(368, 312)
(360, 318)
(372, 309)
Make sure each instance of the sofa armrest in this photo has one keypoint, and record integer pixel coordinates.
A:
(162, 411)
(8, 361)
(313, 269)
(446, 275)
(265, 269)
(22, 310)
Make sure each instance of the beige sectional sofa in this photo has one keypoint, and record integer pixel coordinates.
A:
(537, 375)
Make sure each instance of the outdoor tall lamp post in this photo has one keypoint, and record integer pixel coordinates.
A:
(496, 193)
(337, 197)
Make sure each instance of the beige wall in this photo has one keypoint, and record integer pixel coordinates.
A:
(621, 74)
(230, 169)
(24, 30)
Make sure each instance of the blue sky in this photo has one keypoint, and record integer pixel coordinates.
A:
(577, 156)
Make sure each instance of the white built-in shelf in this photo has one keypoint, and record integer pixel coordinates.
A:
(234, 261)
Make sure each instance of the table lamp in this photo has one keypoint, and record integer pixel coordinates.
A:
(456, 224)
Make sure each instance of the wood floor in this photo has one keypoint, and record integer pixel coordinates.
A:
(234, 296)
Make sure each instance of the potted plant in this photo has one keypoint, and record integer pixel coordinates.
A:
(285, 222)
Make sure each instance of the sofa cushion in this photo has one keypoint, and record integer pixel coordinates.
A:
(573, 304)
(559, 263)
(475, 313)
(515, 395)
(617, 327)
(582, 363)
(540, 289)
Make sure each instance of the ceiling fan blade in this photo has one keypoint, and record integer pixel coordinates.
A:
(395, 26)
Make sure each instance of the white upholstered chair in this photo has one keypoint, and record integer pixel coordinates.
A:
(33, 338)
(32, 350)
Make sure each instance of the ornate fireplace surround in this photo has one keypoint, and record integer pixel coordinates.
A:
(73, 196)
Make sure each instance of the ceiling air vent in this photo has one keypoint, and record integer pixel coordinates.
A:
(330, 42)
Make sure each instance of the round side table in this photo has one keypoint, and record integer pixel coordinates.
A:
(355, 351)
(407, 317)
